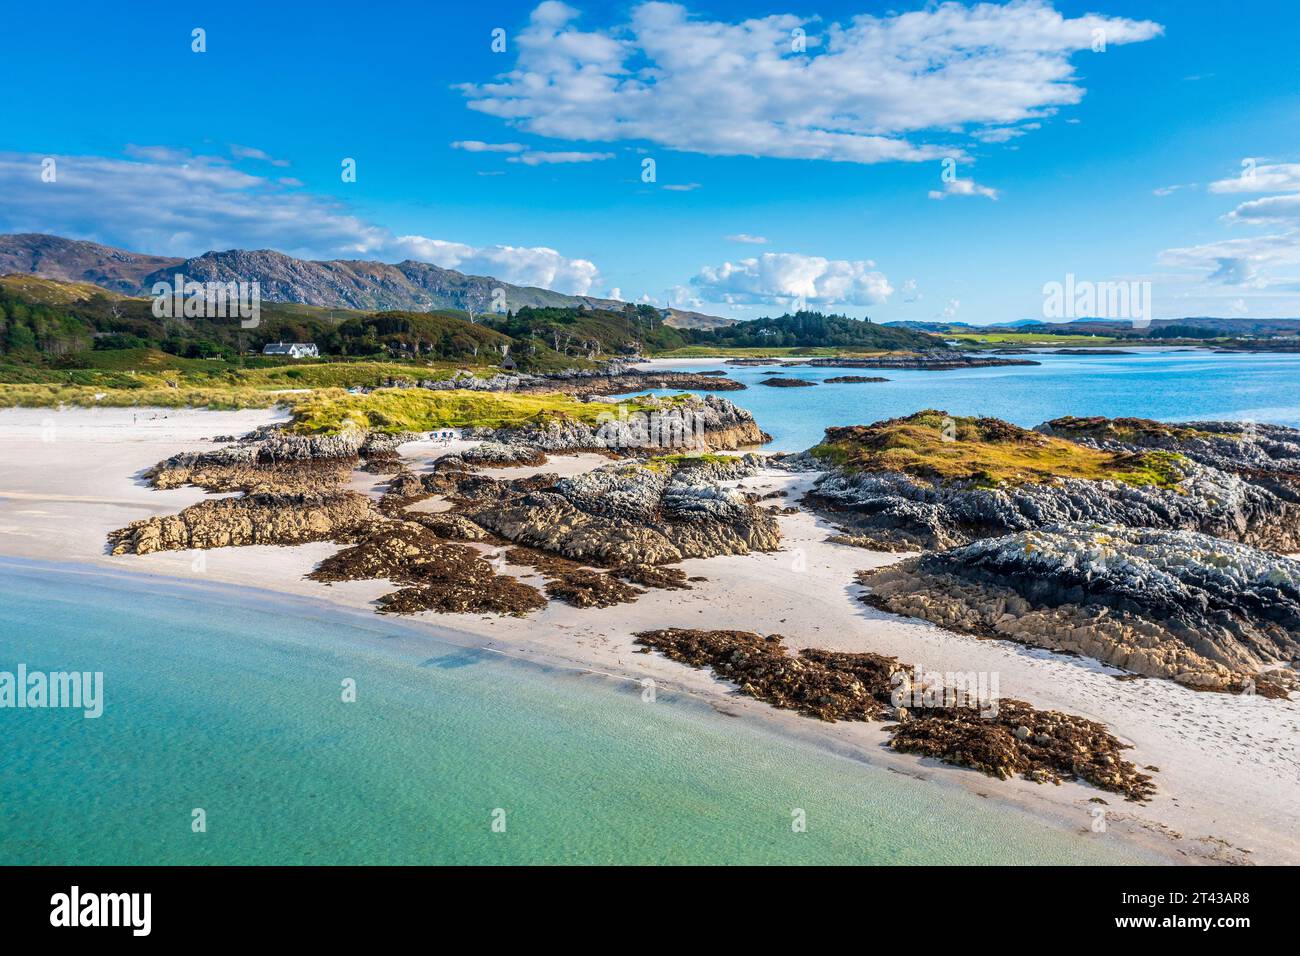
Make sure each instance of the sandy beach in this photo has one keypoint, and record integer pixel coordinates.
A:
(1228, 766)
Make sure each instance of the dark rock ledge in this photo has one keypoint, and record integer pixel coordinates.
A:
(1204, 612)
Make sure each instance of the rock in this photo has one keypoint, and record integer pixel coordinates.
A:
(495, 454)
(256, 519)
(787, 382)
(628, 514)
(854, 379)
(893, 487)
(933, 362)
(699, 422)
(1199, 610)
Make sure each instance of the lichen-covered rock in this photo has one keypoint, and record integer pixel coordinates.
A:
(1199, 610)
(256, 519)
(700, 422)
(930, 481)
(629, 514)
(495, 454)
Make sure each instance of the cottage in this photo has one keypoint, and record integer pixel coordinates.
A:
(508, 364)
(294, 350)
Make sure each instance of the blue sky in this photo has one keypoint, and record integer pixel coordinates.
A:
(1120, 164)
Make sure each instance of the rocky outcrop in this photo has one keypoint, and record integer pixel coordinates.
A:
(619, 515)
(699, 422)
(787, 383)
(495, 454)
(1199, 610)
(271, 460)
(932, 481)
(627, 521)
(1007, 738)
(1249, 449)
(632, 380)
(935, 362)
(854, 379)
(255, 519)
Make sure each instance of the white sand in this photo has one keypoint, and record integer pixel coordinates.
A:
(1229, 766)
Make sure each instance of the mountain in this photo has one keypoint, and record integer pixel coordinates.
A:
(73, 260)
(408, 286)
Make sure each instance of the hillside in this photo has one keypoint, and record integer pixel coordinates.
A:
(409, 286)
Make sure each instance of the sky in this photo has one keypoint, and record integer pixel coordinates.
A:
(914, 161)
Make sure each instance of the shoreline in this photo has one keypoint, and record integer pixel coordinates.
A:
(814, 607)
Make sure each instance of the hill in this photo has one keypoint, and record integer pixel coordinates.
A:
(357, 284)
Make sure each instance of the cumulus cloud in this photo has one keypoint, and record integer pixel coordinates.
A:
(1238, 262)
(862, 91)
(1280, 177)
(252, 152)
(778, 277)
(1001, 134)
(963, 187)
(187, 205)
(478, 146)
(541, 157)
(950, 309)
(910, 292)
(747, 238)
(1268, 210)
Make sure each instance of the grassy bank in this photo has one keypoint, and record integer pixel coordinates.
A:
(413, 409)
(986, 451)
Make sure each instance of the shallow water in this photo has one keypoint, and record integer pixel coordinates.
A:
(1165, 384)
(231, 702)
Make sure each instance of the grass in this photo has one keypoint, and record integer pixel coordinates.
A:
(1131, 431)
(1039, 339)
(411, 409)
(150, 372)
(987, 452)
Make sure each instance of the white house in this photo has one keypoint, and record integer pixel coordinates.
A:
(295, 350)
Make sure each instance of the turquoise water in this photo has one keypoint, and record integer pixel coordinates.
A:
(230, 702)
(1162, 384)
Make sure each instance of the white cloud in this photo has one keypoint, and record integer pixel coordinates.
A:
(538, 158)
(681, 187)
(950, 309)
(747, 238)
(532, 266)
(777, 277)
(910, 291)
(1268, 210)
(1000, 134)
(964, 187)
(1238, 262)
(478, 146)
(251, 152)
(201, 203)
(861, 92)
(1170, 190)
(1282, 177)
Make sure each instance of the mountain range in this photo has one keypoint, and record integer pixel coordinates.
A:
(334, 283)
